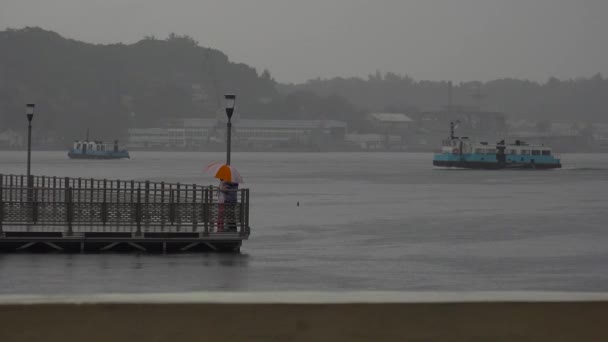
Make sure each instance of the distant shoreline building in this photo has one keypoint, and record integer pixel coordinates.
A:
(563, 136)
(394, 127)
(11, 139)
(424, 130)
(247, 133)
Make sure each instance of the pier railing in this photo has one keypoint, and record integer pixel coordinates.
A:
(76, 206)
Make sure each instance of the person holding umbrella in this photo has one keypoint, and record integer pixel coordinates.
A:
(227, 194)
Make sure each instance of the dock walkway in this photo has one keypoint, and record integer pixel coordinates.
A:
(95, 215)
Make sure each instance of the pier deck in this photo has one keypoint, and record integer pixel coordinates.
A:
(45, 214)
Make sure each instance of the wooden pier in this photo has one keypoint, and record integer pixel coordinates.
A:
(45, 214)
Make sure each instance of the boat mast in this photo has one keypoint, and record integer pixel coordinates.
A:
(453, 125)
(451, 129)
(450, 98)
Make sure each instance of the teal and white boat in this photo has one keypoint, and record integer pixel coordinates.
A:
(461, 152)
(97, 150)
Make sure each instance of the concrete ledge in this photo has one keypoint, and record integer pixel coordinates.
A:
(307, 316)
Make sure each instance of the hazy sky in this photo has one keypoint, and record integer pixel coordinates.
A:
(458, 40)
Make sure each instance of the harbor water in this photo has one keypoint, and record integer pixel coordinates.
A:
(352, 221)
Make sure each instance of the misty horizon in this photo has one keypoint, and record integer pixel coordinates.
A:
(359, 170)
(457, 40)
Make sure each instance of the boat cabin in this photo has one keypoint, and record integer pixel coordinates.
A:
(97, 146)
(465, 146)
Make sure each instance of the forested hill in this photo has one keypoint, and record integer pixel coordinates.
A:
(109, 88)
(583, 99)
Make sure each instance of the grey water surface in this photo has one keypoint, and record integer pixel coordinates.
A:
(365, 221)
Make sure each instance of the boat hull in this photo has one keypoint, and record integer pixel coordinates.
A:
(494, 165)
(491, 162)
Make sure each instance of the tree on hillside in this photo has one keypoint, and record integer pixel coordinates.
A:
(579, 99)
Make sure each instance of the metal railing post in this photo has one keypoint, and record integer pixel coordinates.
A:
(206, 211)
(34, 206)
(146, 206)
(1, 204)
(30, 187)
(194, 218)
(10, 193)
(242, 212)
(247, 211)
(21, 187)
(132, 190)
(69, 208)
(104, 204)
(176, 206)
(138, 211)
(90, 192)
(118, 216)
(171, 207)
(162, 206)
(54, 189)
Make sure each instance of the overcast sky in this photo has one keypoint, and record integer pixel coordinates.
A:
(458, 40)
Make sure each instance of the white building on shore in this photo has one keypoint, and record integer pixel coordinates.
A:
(10, 139)
(195, 133)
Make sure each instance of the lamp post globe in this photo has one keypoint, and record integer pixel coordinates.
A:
(29, 111)
(230, 104)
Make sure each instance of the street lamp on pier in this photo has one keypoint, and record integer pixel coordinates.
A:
(230, 104)
(29, 112)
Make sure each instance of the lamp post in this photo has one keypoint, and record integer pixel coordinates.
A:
(29, 112)
(230, 103)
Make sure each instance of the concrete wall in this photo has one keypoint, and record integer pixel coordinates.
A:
(309, 317)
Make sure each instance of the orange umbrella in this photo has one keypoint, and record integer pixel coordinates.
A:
(224, 172)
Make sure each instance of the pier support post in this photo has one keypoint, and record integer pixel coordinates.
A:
(26, 246)
(53, 245)
(109, 246)
(187, 247)
(211, 246)
(136, 245)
